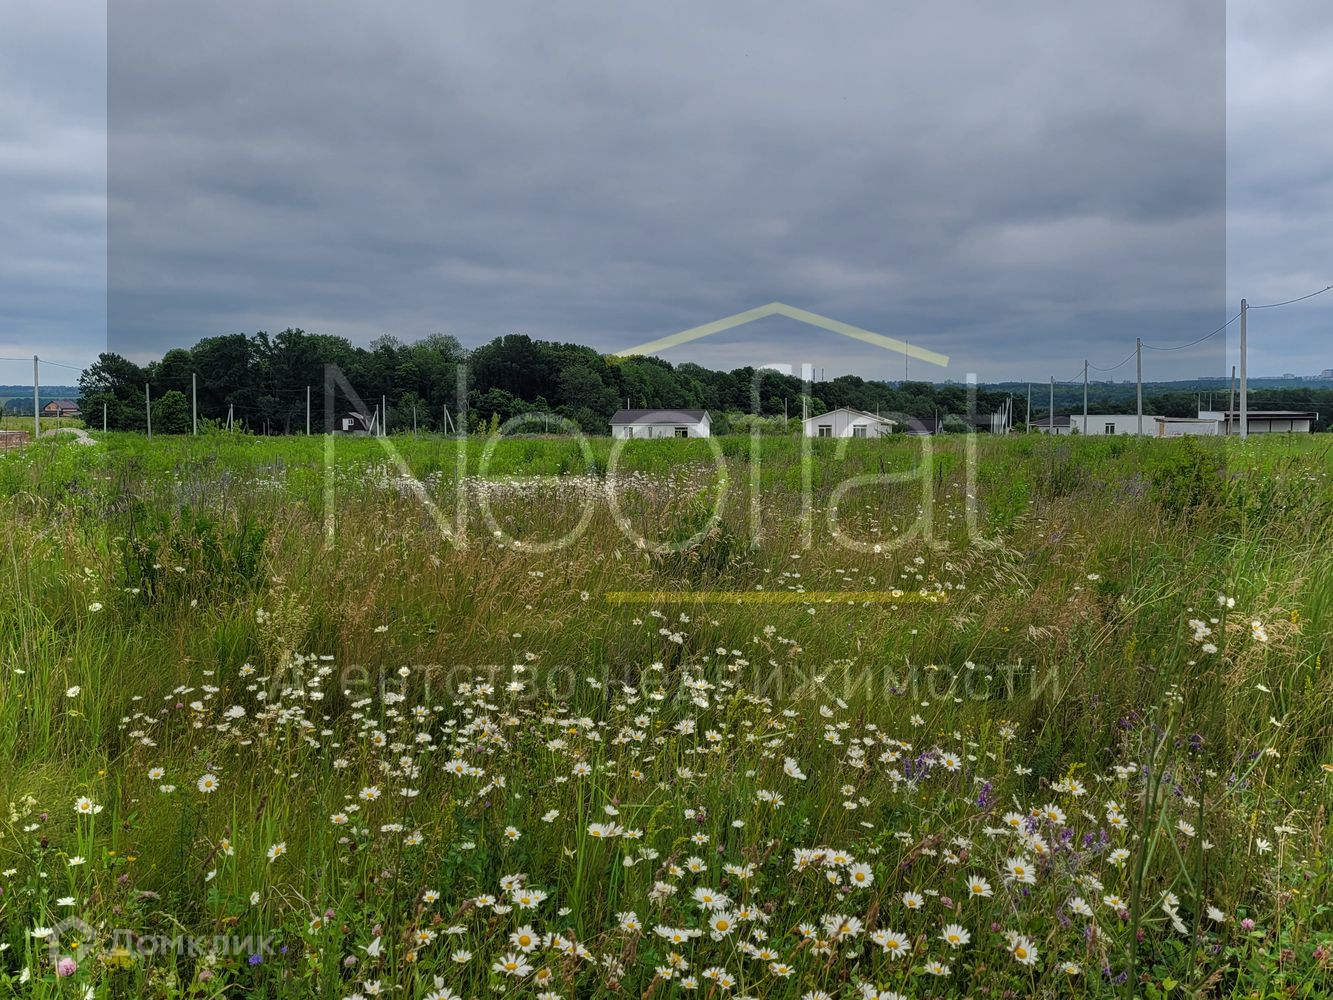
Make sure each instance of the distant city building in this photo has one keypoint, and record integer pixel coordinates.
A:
(1326, 373)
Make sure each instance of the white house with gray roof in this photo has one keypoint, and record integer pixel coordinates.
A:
(846, 422)
(661, 424)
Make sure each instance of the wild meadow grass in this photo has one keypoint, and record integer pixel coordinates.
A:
(1053, 721)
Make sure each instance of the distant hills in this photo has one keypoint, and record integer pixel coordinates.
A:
(47, 391)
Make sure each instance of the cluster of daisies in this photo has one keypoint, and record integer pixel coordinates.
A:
(670, 829)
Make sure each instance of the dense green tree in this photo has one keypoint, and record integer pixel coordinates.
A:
(263, 378)
(171, 413)
(118, 384)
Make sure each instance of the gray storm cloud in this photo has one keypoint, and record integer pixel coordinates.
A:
(1017, 187)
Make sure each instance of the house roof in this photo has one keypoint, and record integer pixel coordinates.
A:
(852, 409)
(64, 404)
(1061, 420)
(1260, 415)
(658, 416)
(925, 425)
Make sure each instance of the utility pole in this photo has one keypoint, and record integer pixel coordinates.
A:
(104, 418)
(194, 402)
(1050, 419)
(148, 409)
(1138, 357)
(307, 411)
(36, 404)
(1028, 413)
(384, 416)
(414, 419)
(231, 410)
(1231, 401)
(1085, 397)
(1244, 377)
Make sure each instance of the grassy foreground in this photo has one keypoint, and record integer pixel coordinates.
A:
(1053, 721)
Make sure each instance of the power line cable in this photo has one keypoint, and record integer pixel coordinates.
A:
(1213, 333)
(58, 364)
(1128, 358)
(1299, 298)
(1181, 347)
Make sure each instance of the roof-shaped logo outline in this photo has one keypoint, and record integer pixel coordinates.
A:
(791, 312)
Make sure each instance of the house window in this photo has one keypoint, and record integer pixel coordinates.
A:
(1110, 428)
(682, 432)
(859, 431)
(826, 430)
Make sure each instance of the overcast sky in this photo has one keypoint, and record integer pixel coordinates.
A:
(1019, 187)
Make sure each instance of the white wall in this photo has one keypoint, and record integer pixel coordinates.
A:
(698, 429)
(1122, 423)
(841, 423)
(1186, 428)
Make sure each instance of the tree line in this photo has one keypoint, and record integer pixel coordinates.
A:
(262, 381)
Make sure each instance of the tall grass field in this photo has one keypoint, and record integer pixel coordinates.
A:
(714, 719)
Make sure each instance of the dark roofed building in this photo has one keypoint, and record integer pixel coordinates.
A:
(60, 408)
(1059, 425)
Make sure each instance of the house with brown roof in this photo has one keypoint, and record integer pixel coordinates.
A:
(60, 408)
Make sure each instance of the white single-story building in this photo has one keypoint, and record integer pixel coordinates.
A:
(1113, 423)
(1263, 421)
(846, 422)
(1212, 423)
(661, 424)
(1098, 424)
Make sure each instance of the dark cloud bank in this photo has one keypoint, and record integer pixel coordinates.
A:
(1017, 186)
